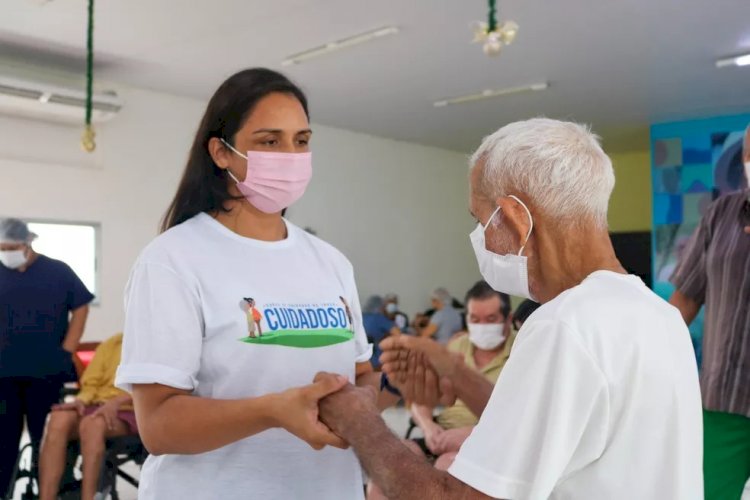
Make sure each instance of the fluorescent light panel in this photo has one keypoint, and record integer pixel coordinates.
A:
(336, 45)
(490, 94)
(743, 60)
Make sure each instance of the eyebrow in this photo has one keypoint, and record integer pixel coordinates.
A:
(279, 131)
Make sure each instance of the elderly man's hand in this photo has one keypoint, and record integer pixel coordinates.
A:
(348, 404)
(420, 368)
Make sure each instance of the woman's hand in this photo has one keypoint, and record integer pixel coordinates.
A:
(297, 412)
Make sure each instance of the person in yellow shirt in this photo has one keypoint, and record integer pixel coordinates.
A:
(99, 411)
(485, 348)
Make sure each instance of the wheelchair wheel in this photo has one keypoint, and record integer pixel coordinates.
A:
(70, 485)
(24, 469)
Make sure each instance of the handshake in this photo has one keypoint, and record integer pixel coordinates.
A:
(331, 410)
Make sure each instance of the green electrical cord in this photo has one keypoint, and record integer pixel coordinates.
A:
(492, 19)
(90, 63)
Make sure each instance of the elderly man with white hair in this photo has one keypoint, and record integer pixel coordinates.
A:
(600, 397)
(43, 310)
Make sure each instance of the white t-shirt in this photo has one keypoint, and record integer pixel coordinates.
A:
(599, 400)
(189, 326)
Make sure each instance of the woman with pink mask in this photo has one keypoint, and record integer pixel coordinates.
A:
(224, 414)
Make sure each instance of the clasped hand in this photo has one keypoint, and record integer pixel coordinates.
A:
(421, 369)
(320, 413)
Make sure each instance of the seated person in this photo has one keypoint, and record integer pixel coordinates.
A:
(486, 348)
(377, 325)
(444, 322)
(522, 313)
(99, 411)
(394, 313)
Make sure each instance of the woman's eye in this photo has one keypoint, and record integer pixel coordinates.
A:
(270, 142)
(303, 142)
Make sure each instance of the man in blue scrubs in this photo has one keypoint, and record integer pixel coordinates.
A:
(43, 310)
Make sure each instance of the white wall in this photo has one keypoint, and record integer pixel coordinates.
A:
(397, 210)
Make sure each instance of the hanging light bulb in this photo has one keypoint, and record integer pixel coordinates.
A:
(493, 45)
(508, 32)
(494, 36)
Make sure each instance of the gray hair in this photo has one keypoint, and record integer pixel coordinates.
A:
(442, 295)
(560, 166)
(15, 231)
(374, 304)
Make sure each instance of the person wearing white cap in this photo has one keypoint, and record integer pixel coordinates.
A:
(43, 310)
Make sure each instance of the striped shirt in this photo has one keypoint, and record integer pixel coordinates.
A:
(715, 271)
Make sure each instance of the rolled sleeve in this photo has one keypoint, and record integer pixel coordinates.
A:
(690, 276)
(78, 294)
(163, 336)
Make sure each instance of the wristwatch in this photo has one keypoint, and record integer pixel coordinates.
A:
(385, 384)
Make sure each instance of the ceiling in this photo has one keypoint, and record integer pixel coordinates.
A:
(617, 65)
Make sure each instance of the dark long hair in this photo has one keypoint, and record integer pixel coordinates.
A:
(203, 187)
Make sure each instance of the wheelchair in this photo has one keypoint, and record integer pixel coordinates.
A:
(120, 451)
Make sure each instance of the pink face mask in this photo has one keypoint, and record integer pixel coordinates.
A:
(273, 181)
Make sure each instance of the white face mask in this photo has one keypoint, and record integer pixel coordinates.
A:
(504, 273)
(486, 336)
(13, 259)
(391, 308)
(747, 172)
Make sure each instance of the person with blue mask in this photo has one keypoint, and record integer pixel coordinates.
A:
(43, 311)
(377, 325)
(594, 401)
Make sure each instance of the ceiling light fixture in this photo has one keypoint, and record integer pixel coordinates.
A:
(489, 94)
(743, 60)
(492, 35)
(344, 43)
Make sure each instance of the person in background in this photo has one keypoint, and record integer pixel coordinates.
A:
(523, 311)
(715, 272)
(43, 311)
(394, 313)
(99, 411)
(377, 325)
(445, 322)
(485, 348)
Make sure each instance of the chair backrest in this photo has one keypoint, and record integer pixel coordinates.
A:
(83, 357)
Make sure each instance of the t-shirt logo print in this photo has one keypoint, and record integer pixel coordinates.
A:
(298, 325)
(254, 318)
